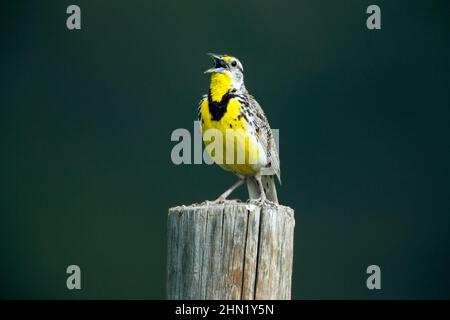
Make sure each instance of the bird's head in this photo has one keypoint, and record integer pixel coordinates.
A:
(227, 69)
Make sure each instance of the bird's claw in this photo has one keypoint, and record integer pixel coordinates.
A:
(262, 201)
(221, 201)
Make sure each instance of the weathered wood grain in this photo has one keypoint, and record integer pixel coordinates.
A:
(230, 251)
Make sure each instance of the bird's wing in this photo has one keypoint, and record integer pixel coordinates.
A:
(266, 137)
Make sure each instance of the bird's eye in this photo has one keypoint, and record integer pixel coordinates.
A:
(233, 63)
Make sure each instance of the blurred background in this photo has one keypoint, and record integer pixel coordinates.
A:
(86, 118)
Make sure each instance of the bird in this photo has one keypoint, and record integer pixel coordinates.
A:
(232, 113)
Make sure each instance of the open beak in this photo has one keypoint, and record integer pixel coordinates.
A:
(219, 63)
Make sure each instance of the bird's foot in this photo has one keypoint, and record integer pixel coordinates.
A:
(262, 201)
(221, 200)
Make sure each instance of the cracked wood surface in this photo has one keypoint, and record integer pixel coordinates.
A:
(230, 251)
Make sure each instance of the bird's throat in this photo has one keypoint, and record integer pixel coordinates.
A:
(220, 85)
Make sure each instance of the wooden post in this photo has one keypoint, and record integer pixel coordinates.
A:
(230, 251)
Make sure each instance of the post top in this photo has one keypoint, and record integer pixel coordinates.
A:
(231, 206)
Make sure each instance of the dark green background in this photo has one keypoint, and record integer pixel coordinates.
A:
(86, 118)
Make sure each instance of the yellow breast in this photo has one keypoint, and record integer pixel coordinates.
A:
(239, 149)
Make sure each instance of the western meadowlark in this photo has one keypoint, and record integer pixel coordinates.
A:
(228, 107)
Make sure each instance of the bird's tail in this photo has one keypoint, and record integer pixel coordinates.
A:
(269, 188)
